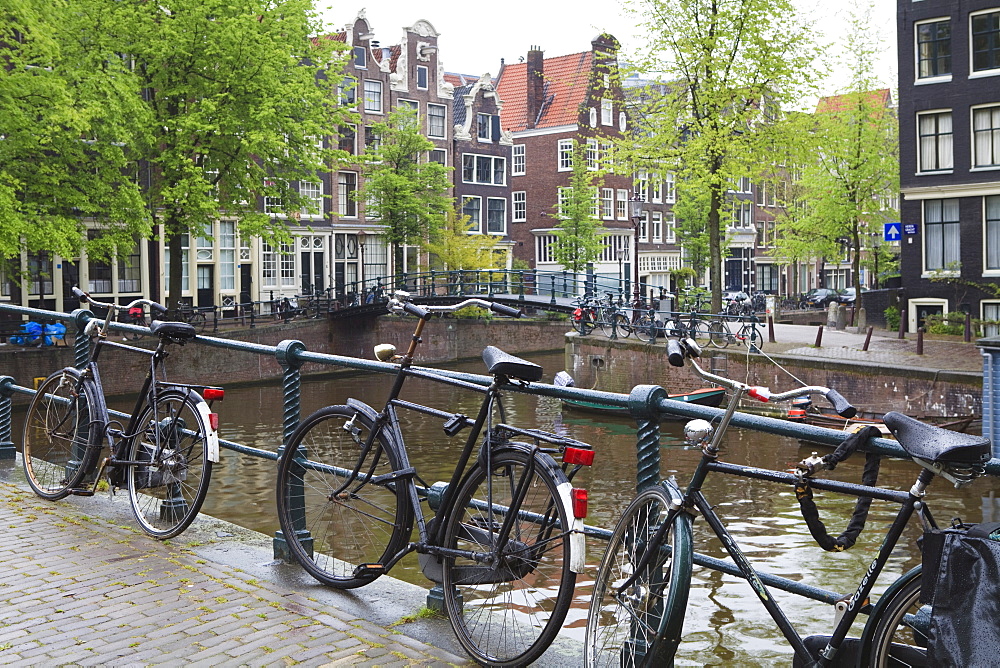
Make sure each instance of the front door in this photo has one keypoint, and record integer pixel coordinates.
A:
(206, 285)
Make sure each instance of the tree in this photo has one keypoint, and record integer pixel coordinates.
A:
(457, 248)
(579, 236)
(409, 192)
(733, 64)
(236, 104)
(849, 163)
(67, 110)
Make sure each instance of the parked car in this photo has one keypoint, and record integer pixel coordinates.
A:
(848, 295)
(821, 297)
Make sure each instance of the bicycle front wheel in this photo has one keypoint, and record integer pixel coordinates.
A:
(198, 321)
(507, 608)
(367, 522)
(699, 332)
(641, 626)
(645, 328)
(718, 334)
(606, 319)
(902, 629)
(623, 325)
(169, 469)
(62, 434)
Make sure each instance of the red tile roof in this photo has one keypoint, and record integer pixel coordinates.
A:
(877, 98)
(566, 85)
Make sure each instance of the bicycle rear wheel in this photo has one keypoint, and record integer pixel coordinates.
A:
(198, 321)
(62, 434)
(901, 631)
(699, 332)
(718, 334)
(170, 472)
(330, 536)
(644, 327)
(606, 319)
(642, 625)
(507, 612)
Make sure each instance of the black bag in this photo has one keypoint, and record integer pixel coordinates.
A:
(961, 581)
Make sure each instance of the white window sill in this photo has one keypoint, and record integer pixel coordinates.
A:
(938, 274)
(984, 73)
(985, 168)
(932, 80)
(936, 173)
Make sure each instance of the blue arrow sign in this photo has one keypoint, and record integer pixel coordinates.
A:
(892, 232)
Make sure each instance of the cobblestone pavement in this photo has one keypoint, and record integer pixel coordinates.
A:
(81, 590)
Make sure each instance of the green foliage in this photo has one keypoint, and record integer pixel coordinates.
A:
(579, 235)
(457, 248)
(473, 313)
(410, 195)
(952, 323)
(734, 64)
(892, 318)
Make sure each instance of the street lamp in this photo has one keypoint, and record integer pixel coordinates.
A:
(361, 248)
(621, 254)
(635, 212)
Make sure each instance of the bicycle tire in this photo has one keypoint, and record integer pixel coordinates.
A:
(198, 321)
(577, 321)
(641, 627)
(329, 537)
(644, 327)
(718, 334)
(587, 322)
(62, 434)
(756, 338)
(167, 492)
(900, 636)
(623, 325)
(699, 332)
(606, 319)
(511, 621)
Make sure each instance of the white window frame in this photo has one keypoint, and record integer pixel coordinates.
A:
(656, 190)
(914, 304)
(644, 227)
(562, 197)
(670, 189)
(494, 160)
(607, 112)
(488, 138)
(989, 330)
(656, 226)
(503, 223)
(312, 190)
(938, 143)
(608, 203)
(641, 183)
(518, 158)
(943, 269)
(432, 116)
(519, 209)
(621, 204)
(993, 133)
(423, 69)
(347, 206)
(987, 269)
(370, 93)
(361, 57)
(543, 248)
(669, 227)
(564, 155)
(974, 73)
(932, 78)
(476, 221)
(593, 155)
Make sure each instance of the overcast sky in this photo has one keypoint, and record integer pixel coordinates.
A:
(474, 37)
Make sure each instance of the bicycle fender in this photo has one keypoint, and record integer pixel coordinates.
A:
(372, 415)
(212, 435)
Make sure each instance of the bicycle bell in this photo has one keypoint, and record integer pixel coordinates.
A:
(384, 352)
(697, 432)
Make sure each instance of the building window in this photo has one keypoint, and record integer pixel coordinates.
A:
(543, 248)
(992, 215)
(621, 205)
(360, 57)
(348, 140)
(435, 120)
(742, 214)
(440, 156)
(656, 223)
(670, 191)
(986, 41)
(205, 250)
(484, 127)
(371, 140)
(565, 148)
(130, 271)
(941, 234)
(314, 193)
(986, 137)
(669, 235)
(347, 188)
(656, 190)
(520, 212)
(607, 112)
(373, 96)
(935, 145)
(496, 215)
(518, 162)
(287, 264)
(471, 208)
(227, 255)
(484, 169)
(422, 77)
(933, 49)
(268, 265)
(563, 201)
(642, 185)
(272, 204)
(592, 155)
(607, 203)
(347, 91)
(412, 105)
(644, 227)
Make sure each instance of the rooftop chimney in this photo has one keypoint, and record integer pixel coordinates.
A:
(536, 83)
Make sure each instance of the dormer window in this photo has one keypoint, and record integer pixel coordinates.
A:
(484, 126)
(421, 77)
(360, 57)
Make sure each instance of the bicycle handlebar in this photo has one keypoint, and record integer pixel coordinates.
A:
(400, 303)
(85, 297)
(677, 351)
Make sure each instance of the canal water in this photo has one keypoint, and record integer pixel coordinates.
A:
(725, 623)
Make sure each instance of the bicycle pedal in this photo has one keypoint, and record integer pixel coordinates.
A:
(369, 569)
(81, 492)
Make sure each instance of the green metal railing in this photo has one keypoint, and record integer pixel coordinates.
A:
(648, 404)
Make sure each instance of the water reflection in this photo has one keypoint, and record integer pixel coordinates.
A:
(725, 622)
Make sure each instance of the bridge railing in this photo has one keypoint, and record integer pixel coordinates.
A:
(647, 404)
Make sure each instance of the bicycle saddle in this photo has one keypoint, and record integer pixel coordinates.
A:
(174, 331)
(500, 363)
(936, 444)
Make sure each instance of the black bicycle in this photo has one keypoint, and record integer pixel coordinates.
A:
(637, 612)
(164, 454)
(192, 315)
(506, 540)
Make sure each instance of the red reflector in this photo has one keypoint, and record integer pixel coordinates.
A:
(213, 421)
(579, 497)
(213, 393)
(578, 456)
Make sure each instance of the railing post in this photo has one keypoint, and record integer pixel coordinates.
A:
(552, 280)
(287, 356)
(643, 403)
(520, 285)
(81, 344)
(7, 449)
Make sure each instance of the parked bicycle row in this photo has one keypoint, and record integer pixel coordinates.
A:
(505, 539)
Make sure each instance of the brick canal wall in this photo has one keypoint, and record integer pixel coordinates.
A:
(444, 340)
(617, 366)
